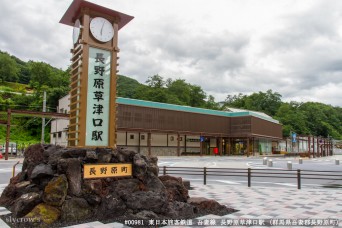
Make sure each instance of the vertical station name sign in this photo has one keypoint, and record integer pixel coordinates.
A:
(98, 99)
(93, 73)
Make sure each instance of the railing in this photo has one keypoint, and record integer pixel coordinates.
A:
(298, 174)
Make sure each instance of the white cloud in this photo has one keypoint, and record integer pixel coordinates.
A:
(225, 46)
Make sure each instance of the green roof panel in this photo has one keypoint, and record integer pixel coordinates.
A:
(150, 104)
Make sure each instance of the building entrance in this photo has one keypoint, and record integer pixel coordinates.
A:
(205, 146)
(239, 147)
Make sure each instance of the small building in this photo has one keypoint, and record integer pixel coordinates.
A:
(175, 130)
(59, 127)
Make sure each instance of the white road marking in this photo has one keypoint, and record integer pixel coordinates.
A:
(7, 170)
(261, 166)
(228, 182)
(210, 164)
(2, 187)
(166, 164)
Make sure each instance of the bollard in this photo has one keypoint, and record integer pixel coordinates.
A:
(300, 161)
(264, 162)
(249, 177)
(337, 162)
(205, 175)
(270, 163)
(289, 165)
(299, 184)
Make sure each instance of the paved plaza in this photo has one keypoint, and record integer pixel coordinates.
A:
(255, 203)
(260, 203)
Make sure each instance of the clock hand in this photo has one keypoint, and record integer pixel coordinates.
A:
(102, 27)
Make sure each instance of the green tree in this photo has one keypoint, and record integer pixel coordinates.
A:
(59, 78)
(53, 95)
(211, 104)
(155, 81)
(292, 119)
(322, 119)
(151, 94)
(198, 96)
(126, 86)
(41, 74)
(24, 72)
(268, 102)
(24, 75)
(154, 91)
(8, 68)
(235, 101)
(179, 91)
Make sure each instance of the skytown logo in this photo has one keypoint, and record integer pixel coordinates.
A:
(11, 219)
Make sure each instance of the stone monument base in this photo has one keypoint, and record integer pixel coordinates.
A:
(50, 190)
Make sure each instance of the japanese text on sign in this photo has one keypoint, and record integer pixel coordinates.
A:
(232, 222)
(98, 97)
(107, 170)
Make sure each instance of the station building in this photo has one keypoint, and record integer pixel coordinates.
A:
(161, 129)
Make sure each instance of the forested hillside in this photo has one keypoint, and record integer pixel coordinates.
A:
(23, 83)
(309, 118)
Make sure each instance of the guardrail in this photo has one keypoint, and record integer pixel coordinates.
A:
(298, 174)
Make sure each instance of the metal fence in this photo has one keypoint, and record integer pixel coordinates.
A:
(249, 173)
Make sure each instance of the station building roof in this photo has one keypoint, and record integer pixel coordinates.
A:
(230, 113)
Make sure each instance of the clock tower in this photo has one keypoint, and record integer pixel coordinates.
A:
(93, 72)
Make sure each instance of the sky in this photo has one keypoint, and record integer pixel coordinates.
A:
(293, 47)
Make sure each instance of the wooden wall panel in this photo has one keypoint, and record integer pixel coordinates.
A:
(135, 117)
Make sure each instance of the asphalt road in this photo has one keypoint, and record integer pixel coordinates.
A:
(256, 164)
(6, 168)
(270, 174)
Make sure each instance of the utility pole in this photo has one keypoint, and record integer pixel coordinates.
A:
(43, 119)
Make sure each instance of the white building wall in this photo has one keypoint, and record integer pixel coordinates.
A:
(121, 138)
(143, 139)
(158, 139)
(193, 141)
(59, 126)
(173, 139)
(132, 138)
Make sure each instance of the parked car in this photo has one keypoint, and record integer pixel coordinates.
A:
(12, 148)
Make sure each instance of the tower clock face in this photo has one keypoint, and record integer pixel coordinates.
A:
(101, 29)
(76, 31)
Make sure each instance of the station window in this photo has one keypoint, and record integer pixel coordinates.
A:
(59, 134)
(131, 136)
(142, 137)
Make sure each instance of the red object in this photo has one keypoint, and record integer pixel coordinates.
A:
(0, 155)
(215, 150)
